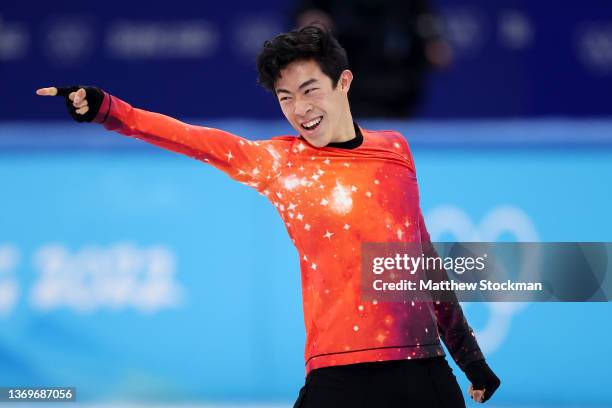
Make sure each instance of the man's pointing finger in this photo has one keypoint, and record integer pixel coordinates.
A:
(57, 91)
(52, 91)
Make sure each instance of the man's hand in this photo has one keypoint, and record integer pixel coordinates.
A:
(476, 395)
(78, 98)
(83, 102)
(483, 379)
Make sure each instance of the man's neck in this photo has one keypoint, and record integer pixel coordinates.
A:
(346, 131)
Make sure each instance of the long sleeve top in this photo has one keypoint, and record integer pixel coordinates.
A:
(331, 200)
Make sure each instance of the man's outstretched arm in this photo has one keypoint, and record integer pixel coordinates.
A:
(253, 163)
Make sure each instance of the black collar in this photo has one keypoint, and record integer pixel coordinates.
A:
(350, 144)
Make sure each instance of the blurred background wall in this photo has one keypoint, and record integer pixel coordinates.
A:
(138, 275)
(196, 59)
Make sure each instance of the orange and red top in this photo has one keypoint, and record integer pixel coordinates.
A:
(331, 200)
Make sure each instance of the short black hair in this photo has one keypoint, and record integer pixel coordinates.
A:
(309, 42)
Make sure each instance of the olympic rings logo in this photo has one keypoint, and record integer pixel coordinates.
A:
(504, 220)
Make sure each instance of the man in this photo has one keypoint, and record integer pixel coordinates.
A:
(335, 186)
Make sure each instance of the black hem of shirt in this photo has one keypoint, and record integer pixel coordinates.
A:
(372, 348)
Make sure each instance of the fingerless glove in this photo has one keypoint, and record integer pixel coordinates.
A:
(94, 97)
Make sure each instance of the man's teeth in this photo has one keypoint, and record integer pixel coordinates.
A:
(312, 123)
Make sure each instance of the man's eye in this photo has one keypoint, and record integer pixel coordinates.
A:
(310, 90)
(284, 98)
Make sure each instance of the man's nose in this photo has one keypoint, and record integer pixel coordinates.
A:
(302, 108)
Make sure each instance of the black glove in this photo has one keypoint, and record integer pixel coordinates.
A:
(94, 97)
(482, 378)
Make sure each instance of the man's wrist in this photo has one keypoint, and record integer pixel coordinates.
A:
(482, 377)
(104, 109)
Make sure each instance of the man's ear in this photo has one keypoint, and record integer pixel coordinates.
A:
(346, 77)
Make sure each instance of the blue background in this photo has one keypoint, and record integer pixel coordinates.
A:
(236, 332)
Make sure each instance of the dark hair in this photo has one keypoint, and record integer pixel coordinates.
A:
(309, 42)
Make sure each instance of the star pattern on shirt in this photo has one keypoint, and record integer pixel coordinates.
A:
(347, 196)
(341, 198)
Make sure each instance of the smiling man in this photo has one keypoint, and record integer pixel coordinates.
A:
(314, 105)
(336, 186)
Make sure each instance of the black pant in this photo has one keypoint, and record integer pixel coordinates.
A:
(426, 383)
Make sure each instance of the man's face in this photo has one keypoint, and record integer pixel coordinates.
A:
(311, 104)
